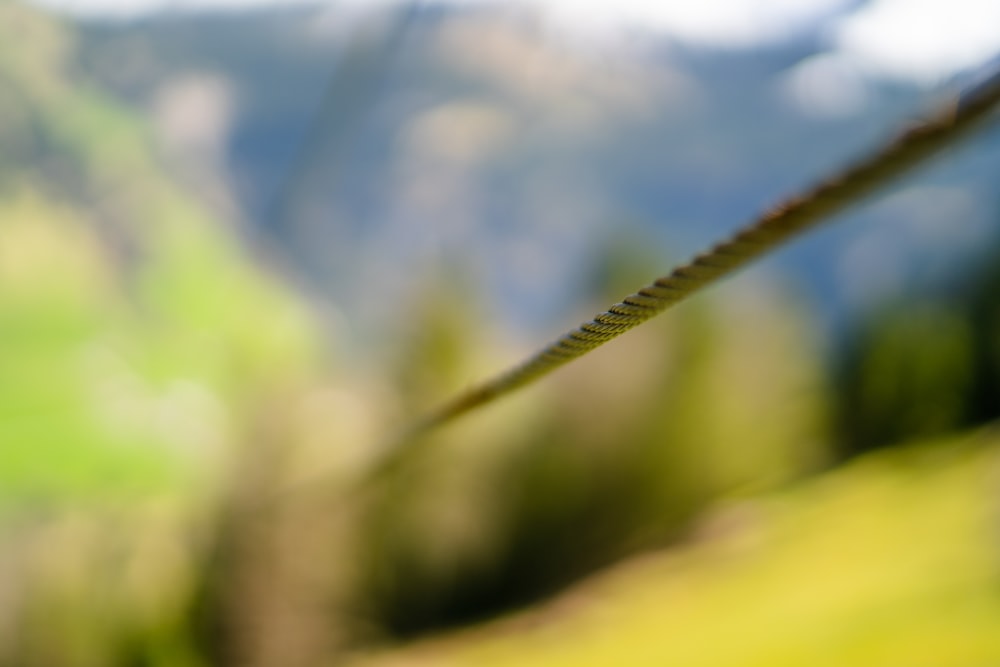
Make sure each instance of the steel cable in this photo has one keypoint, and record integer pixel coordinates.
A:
(952, 121)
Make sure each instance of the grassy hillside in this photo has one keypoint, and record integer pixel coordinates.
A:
(891, 560)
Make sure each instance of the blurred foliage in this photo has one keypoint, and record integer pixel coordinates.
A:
(923, 364)
(614, 455)
(178, 436)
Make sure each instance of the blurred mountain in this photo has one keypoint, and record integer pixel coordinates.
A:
(355, 143)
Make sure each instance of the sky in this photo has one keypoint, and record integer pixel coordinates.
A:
(917, 41)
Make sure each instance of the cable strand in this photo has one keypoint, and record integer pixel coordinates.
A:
(775, 227)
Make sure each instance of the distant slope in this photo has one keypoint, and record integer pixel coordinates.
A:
(133, 325)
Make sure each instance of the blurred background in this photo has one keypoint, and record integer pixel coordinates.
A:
(243, 243)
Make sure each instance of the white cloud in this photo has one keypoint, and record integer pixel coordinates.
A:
(718, 23)
(920, 40)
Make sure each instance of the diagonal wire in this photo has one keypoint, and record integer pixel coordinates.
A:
(950, 122)
(352, 90)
